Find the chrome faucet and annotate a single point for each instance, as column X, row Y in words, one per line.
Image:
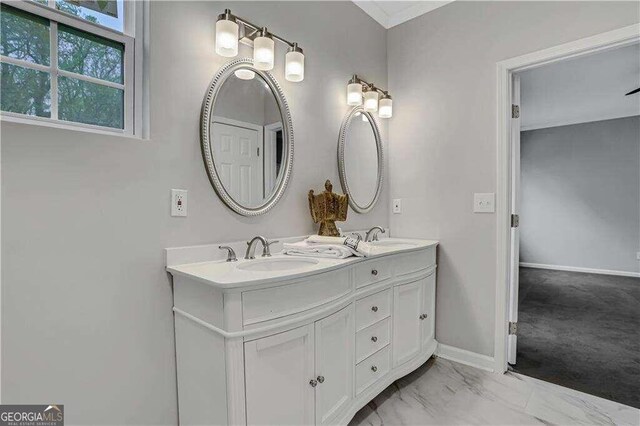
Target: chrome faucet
column 372, row 234
column 251, row 247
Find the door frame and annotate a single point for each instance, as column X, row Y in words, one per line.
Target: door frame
column 505, row 70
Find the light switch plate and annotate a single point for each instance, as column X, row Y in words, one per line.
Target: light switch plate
column 397, row 206
column 484, row 202
column 179, row 202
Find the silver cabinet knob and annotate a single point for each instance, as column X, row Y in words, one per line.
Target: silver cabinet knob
column 374, row 272
column 313, row 383
column 320, row 379
column 374, row 368
column 374, row 339
column 374, row 308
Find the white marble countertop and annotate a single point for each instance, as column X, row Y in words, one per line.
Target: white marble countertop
column 229, row 275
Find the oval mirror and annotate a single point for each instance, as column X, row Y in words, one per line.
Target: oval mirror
column 360, row 159
column 247, row 138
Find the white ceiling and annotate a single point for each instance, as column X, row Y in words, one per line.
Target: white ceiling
column 590, row 88
column 392, row 13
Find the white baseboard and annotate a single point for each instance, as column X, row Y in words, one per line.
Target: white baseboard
column 578, row 269
column 463, row 356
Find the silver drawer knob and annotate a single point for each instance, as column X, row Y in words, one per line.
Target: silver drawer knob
column 374, row 308
column 374, row 339
column 374, row 368
column 320, row 379
column 313, row 383
column 374, row 272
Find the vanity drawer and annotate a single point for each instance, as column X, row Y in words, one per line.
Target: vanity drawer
column 372, row 339
column 371, row 272
column 372, row 369
column 413, row 262
column 373, row 308
column 275, row 302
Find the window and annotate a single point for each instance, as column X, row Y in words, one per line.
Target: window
column 71, row 62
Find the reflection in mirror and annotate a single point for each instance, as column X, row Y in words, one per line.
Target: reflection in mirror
column 247, row 138
column 360, row 159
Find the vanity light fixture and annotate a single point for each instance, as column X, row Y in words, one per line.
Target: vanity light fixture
column 231, row 28
column 294, row 64
column 385, row 106
column 374, row 98
column 370, row 99
column 354, row 92
column 263, row 51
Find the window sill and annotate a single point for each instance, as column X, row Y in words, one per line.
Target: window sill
column 76, row 128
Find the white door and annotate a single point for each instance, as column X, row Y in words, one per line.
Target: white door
column 428, row 315
column 334, row 364
column 514, row 270
column 278, row 371
column 407, row 326
column 239, row 162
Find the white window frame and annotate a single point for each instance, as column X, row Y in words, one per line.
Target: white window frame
column 131, row 38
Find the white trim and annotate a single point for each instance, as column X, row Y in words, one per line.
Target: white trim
column 572, row 122
column 237, row 123
column 53, row 14
column 133, row 86
column 371, row 8
column 505, row 69
column 465, row 357
column 579, row 269
column 90, row 79
column 25, row 64
column 21, row 120
column 14, row 117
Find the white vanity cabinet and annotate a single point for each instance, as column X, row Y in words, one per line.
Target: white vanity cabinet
column 413, row 313
column 301, row 376
column 311, row 348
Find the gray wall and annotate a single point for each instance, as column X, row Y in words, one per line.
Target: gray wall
column 580, row 203
column 86, row 315
column 442, row 75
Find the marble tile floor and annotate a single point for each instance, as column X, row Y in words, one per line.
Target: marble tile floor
column 443, row 392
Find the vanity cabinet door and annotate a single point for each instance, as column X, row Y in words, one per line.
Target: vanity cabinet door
column 334, row 364
column 428, row 309
column 407, row 325
column 278, row 374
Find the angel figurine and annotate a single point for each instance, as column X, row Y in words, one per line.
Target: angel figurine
column 328, row 207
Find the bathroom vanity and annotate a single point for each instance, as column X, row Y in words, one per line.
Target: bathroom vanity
column 300, row 340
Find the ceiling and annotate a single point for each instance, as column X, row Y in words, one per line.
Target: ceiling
column 589, row 88
column 392, row 13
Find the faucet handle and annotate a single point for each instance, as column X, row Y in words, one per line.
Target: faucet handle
column 231, row 254
column 266, row 250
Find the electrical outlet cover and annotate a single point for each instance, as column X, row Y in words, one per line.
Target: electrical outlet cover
column 178, row 202
column 397, row 205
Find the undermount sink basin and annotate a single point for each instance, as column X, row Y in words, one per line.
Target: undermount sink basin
column 392, row 243
column 277, row 264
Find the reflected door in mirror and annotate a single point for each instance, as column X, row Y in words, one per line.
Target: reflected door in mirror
column 239, row 163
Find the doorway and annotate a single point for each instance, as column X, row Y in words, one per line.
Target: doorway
column 508, row 327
